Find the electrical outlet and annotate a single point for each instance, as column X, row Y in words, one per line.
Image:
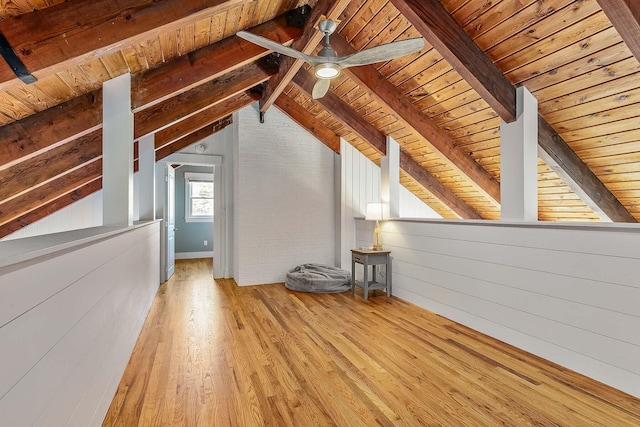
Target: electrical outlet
column 206, row 243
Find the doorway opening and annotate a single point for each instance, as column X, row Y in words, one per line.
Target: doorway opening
column 192, row 212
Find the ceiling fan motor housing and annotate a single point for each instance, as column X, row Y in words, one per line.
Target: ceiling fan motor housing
column 327, row 52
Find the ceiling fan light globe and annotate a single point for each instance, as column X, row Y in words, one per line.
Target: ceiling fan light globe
column 326, row 71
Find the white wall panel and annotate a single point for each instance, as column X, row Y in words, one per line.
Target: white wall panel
column 20, row 292
column 567, row 293
column 69, row 323
column 361, row 185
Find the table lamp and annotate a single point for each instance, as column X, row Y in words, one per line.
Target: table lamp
column 375, row 211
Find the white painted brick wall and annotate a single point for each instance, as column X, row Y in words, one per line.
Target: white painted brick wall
column 284, row 198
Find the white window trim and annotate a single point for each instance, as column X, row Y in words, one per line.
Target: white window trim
column 194, row 176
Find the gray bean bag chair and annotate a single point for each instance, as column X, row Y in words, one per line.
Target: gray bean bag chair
column 318, row 278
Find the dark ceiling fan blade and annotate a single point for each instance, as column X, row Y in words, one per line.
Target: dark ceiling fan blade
column 276, row 47
column 321, row 88
column 382, row 53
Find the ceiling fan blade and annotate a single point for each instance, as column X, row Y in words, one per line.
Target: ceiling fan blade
column 271, row 45
column 321, row 88
column 382, row 53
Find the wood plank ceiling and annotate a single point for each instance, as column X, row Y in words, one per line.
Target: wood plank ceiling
column 442, row 104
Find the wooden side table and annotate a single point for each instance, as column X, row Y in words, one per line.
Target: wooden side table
column 370, row 258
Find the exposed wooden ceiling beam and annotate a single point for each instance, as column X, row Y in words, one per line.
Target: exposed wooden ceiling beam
column 80, row 116
column 343, row 112
column 51, row 39
column 306, row 44
column 26, row 183
column 625, row 17
column 202, row 119
column 577, row 175
column 308, row 122
column 39, row 169
column 435, row 24
column 415, row 170
column 37, row 202
column 189, row 103
column 386, row 94
column 50, row 191
column 50, row 128
column 207, row 63
column 184, row 142
column 365, row 130
column 51, row 207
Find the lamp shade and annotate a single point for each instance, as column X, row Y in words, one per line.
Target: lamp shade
column 375, row 211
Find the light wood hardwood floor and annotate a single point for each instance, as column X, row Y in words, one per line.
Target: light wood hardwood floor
column 215, row 354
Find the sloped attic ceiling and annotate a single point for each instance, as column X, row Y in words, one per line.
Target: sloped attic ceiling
column 442, row 104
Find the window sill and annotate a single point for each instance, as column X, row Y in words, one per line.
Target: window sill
column 205, row 219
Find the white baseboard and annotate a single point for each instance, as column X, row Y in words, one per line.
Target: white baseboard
column 191, row 255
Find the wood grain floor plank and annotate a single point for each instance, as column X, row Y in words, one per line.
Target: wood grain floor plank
column 215, row 354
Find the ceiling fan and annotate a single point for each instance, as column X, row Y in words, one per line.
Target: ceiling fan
column 327, row 64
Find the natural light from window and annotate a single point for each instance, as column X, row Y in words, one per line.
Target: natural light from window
column 199, row 197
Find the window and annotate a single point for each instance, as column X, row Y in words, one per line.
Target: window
column 198, row 192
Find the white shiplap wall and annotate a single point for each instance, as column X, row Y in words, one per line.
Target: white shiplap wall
column 569, row 294
column 361, row 185
column 68, row 324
